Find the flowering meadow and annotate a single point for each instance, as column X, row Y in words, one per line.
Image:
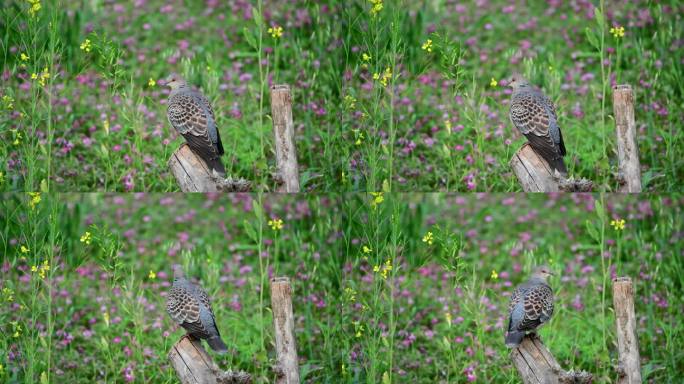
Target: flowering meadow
column 389, row 95
column 387, row 288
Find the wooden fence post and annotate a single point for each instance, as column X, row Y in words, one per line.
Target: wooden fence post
column 535, row 174
column 629, row 171
column 193, row 175
column 283, row 128
column 287, row 369
column 194, row 366
column 537, row 365
column 629, row 369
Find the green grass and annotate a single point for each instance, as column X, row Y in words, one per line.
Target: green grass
column 387, row 288
column 436, row 124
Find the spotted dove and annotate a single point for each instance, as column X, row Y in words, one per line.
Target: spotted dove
column 189, row 306
column 190, row 113
column 535, row 117
column 531, row 306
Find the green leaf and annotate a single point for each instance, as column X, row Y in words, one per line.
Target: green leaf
column 249, row 229
column 385, row 378
column 599, row 210
column 43, row 378
column 591, row 37
column 249, row 37
column 599, row 17
column 591, row 230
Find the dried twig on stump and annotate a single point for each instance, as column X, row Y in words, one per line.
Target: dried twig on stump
column 537, row 365
column 283, row 128
column 629, row 370
column 629, row 172
column 535, row 174
column 194, row 366
column 287, row 368
column 193, row 175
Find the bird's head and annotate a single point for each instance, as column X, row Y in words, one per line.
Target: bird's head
column 518, row 81
column 542, row 272
column 175, row 81
column 177, row 272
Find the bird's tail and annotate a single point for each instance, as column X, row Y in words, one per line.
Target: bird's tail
column 559, row 165
column 217, row 165
column 514, row 338
column 217, row 344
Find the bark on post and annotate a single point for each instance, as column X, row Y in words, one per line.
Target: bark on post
column 535, row 174
column 629, row 369
column 194, row 366
column 629, row 171
column 287, row 368
column 283, row 128
column 193, row 175
column 537, row 365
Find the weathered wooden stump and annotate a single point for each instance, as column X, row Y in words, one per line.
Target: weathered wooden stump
column 629, row 169
column 535, row 174
column 193, row 174
column 537, row 365
column 629, row 369
column 283, row 128
column 287, row 366
column 194, row 366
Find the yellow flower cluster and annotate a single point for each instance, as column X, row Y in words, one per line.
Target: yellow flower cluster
column 376, row 7
column 350, row 102
column 378, row 198
column 34, row 6
column 276, row 32
column 384, row 270
column 86, row 46
column 385, row 77
column 152, row 275
column 35, row 199
column 350, row 294
column 8, row 102
column 493, row 83
column 86, row 238
column 618, row 32
column 151, row 83
column 275, row 224
column 429, row 238
column 42, row 77
column 618, row 224
column 358, row 329
column 358, row 135
column 7, row 295
column 427, row 46
column 16, row 328
column 24, row 57
column 41, row 269
column 366, row 249
column 494, row 275
column 17, row 137
column 24, row 249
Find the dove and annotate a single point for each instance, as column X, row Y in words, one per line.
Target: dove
column 191, row 114
column 535, row 117
column 531, row 306
column 189, row 306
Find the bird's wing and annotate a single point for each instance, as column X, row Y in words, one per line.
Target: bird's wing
column 538, row 305
column 214, row 134
column 554, row 127
column 181, row 306
column 191, row 119
column 530, row 116
column 204, row 299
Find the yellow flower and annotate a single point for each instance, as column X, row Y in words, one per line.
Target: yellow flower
column 8, row 294
column 350, row 102
column 151, row 83
column 385, row 77
column 350, row 294
column 429, row 238
column 376, row 268
column 386, row 268
column 105, row 316
column 152, row 275
column 359, row 138
column 43, row 269
column 8, row 101
column 367, row 249
column 618, row 32
column 275, row 224
column 34, row 268
column 366, row 57
column 105, row 125
column 427, row 46
column 35, row 7
column 493, row 83
column 24, row 57
column 86, row 238
column 35, row 199
column 376, row 7
column 34, row 76
column 24, row 249
column 618, row 224
column 16, row 327
column 276, row 32
column 86, row 46
column 494, row 275
column 378, row 198
column 448, row 318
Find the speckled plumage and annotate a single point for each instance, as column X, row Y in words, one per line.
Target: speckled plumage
column 189, row 306
column 535, row 117
column 190, row 113
column 531, row 306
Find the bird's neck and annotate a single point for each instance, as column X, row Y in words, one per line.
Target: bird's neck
column 181, row 88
